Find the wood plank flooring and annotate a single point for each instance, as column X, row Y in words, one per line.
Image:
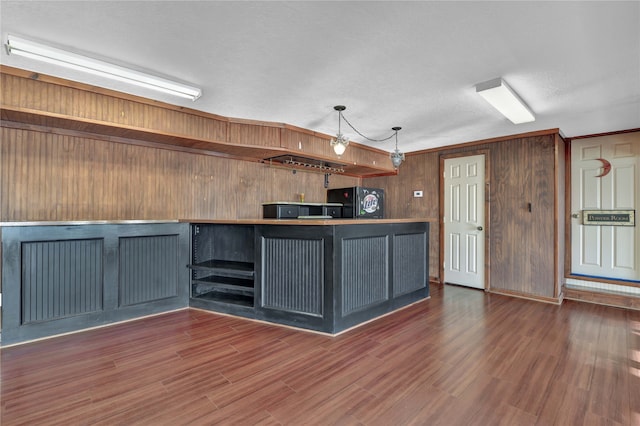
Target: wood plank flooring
column 461, row 358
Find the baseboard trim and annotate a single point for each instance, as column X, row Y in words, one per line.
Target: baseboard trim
column 533, row 297
column 600, row 297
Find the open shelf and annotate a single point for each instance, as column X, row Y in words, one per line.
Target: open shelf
column 229, row 284
column 222, row 266
column 226, row 268
column 228, row 298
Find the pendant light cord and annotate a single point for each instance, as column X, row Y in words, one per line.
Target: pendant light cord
column 367, row 138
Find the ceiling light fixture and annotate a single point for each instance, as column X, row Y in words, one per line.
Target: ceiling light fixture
column 52, row 55
column 340, row 142
column 397, row 157
column 505, row 100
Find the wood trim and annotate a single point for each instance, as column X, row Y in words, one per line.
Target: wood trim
column 487, row 211
column 559, row 144
column 485, row 141
column 602, row 298
column 567, row 219
column 533, row 297
column 596, row 135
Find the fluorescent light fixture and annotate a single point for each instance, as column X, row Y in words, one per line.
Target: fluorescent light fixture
column 505, row 100
column 52, row 55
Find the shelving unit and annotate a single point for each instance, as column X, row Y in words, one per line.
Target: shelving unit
column 222, row 268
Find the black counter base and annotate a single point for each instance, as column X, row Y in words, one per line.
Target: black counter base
column 323, row 278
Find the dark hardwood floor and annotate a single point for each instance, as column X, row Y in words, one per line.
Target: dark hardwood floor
column 461, row 358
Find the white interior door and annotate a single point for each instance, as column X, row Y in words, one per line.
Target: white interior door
column 604, row 176
column 464, row 221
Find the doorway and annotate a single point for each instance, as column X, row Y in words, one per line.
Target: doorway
column 605, row 177
column 464, row 221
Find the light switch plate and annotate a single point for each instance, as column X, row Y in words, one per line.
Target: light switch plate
column 417, row 194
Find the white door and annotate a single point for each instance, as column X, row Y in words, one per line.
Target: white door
column 464, row 221
column 605, row 176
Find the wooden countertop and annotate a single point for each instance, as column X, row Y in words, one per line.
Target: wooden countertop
column 304, row 222
column 299, row 222
column 84, row 222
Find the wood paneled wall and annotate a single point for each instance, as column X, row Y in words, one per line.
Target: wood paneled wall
column 523, row 246
column 40, row 94
column 29, row 98
column 48, row 176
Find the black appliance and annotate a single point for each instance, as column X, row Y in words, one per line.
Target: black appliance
column 359, row 202
column 293, row 210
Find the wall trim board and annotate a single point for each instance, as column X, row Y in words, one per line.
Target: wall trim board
column 487, row 141
column 560, row 209
column 532, row 297
column 595, row 135
column 602, row 298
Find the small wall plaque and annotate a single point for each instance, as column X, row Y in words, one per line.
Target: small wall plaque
column 609, row 217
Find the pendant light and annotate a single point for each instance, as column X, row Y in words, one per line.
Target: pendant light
column 397, row 157
column 340, row 142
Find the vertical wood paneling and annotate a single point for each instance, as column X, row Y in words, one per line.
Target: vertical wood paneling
column 540, row 241
column 39, row 95
column 523, row 257
column 365, row 278
column 293, row 275
column 46, row 176
column 148, row 269
column 61, row 279
column 251, row 134
column 306, row 143
column 409, row 271
column 510, row 219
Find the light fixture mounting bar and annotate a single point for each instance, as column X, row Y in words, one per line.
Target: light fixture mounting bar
column 41, row 52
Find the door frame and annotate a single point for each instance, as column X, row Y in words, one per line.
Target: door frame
column 567, row 211
column 487, row 210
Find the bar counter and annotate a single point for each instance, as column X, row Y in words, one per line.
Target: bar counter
column 325, row 275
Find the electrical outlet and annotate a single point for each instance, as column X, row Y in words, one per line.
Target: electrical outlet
column 417, row 194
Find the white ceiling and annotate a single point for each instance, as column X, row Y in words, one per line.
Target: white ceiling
column 410, row 64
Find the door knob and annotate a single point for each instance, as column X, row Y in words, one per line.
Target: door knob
column 479, row 228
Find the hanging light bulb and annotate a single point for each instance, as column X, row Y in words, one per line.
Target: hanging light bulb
column 340, row 142
column 397, row 157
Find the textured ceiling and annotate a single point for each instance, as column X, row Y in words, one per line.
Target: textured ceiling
column 410, row 64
